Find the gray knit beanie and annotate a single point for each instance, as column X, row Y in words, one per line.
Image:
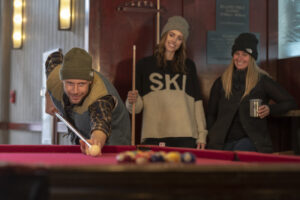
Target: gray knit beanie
column 77, row 64
column 177, row 23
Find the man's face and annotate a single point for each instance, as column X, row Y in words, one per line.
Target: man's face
column 76, row 89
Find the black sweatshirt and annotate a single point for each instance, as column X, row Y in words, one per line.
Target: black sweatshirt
column 171, row 102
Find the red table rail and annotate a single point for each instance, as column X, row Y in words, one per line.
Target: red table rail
column 63, row 172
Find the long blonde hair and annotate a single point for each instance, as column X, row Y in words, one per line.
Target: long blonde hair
column 178, row 62
column 252, row 77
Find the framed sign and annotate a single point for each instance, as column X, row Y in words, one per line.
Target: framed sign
column 219, row 46
column 232, row 15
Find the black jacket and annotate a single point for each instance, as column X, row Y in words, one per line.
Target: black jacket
column 221, row 112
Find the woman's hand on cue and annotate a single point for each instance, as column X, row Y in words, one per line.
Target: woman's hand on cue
column 132, row 96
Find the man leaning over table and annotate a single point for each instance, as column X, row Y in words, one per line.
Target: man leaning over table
column 86, row 99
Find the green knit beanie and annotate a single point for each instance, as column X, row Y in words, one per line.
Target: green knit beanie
column 177, row 23
column 77, row 64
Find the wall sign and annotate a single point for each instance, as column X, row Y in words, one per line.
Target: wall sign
column 232, row 15
column 232, row 18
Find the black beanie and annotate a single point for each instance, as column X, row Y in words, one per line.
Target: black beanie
column 246, row 42
column 77, row 64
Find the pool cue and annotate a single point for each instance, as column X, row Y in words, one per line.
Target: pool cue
column 133, row 105
column 73, row 129
column 157, row 22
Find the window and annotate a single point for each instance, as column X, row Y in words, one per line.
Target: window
column 288, row 28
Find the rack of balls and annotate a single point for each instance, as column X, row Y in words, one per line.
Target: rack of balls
column 141, row 157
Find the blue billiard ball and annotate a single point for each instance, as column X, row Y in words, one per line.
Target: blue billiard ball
column 188, row 157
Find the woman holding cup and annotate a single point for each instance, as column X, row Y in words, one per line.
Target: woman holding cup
column 233, row 123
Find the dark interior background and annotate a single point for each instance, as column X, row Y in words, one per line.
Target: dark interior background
column 113, row 34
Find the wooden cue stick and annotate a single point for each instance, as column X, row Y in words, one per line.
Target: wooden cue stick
column 157, row 22
column 133, row 105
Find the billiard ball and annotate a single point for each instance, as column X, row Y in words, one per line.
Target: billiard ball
column 141, row 160
column 188, row 157
column 121, row 157
column 157, row 157
column 130, row 156
column 173, row 157
column 94, row 150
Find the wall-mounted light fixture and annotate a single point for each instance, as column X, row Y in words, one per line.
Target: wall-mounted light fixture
column 18, row 18
column 64, row 14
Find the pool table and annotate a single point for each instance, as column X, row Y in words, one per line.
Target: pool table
column 62, row 172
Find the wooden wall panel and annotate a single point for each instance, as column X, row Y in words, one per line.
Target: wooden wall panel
column 202, row 18
column 272, row 38
column 258, row 13
column 129, row 29
column 288, row 75
column 284, row 130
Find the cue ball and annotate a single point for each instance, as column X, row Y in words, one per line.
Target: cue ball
column 94, row 150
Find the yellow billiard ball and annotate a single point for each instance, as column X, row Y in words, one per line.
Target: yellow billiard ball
column 173, row 157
